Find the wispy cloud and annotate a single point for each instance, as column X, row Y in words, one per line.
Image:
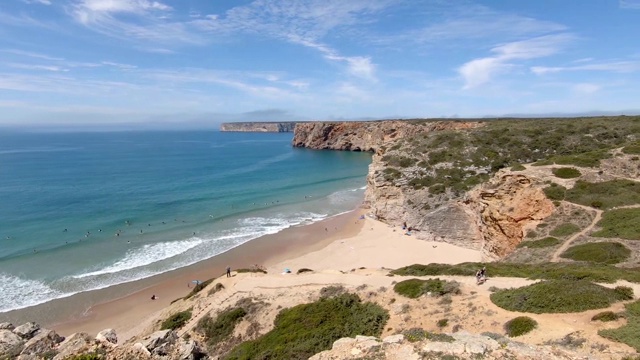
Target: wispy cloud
column 586, row 88
column 630, row 4
column 42, row 2
column 615, row 66
column 36, row 67
column 113, row 18
column 479, row 71
column 31, row 54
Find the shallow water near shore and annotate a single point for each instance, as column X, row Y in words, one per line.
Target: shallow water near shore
column 84, row 211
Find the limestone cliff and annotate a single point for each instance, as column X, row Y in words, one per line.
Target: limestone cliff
column 365, row 135
column 258, row 127
column 450, row 180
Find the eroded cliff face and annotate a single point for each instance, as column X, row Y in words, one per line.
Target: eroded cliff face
column 365, row 135
column 490, row 217
column 504, row 207
column 258, row 127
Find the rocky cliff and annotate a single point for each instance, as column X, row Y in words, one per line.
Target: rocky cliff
column 367, row 135
column 258, row 126
column 461, row 181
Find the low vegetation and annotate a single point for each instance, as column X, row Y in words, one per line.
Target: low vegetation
column 304, row 330
column 558, row 296
column 632, row 149
column 418, row 334
column 605, row 195
column 87, row 356
column 215, row 331
column 627, row 334
column 620, row 223
column 254, row 269
column 414, row 288
column 215, row 289
column 199, row 286
column 566, row 173
column 538, row 244
column 600, row 252
column 303, row 270
column 565, row 229
column 519, row 326
column 176, row 320
column 605, row 316
column 560, row 271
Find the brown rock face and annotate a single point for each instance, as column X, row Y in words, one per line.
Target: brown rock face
column 504, row 206
column 365, row 135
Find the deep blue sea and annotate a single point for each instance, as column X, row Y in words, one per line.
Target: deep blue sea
column 82, row 211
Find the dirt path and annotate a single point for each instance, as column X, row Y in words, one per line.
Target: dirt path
column 568, row 242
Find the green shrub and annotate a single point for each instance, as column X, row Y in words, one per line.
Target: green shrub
column 442, row 323
column 542, row 243
column 600, row 252
column 439, row 337
column 566, row 173
column 304, row 330
column 605, row 316
column 608, row 193
column 627, row 334
column 556, row 270
column 331, row 291
column 557, row 296
column 631, row 149
column 620, row 223
column 415, row 334
column 87, row 356
column 303, row 270
column 215, row 331
column 625, row 292
column 519, row 326
column 199, row 286
column 564, row 230
column 414, row 288
column 518, row 167
column 215, row 289
column 555, row 192
column 176, row 320
column 254, row 269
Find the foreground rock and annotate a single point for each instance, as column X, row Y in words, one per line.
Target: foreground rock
column 462, row 346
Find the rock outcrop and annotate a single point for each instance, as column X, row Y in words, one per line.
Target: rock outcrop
column 258, row 127
column 462, row 345
column 366, row 136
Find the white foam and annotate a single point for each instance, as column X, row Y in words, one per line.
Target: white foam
column 146, row 255
column 37, row 150
column 18, row 293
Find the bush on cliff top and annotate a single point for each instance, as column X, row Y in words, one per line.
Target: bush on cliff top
column 557, row 296
column 564, row 270
column 414, row 288
column 538, row 244
column 304, row 330
column 520, row 326
column 607, row 194
column 600, row 252
column 627, row 334
column 176, row 320
column 565, row 229
column 566, row 173
column 620, row 223
column 215, row 331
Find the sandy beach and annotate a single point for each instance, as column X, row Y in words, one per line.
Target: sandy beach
column 340, row 243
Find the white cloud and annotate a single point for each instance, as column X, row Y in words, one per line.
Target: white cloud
column 86, row 7
column 630, row 4
column 615, row 66
column 479, row 71
column 43, row 2
column 586, row 88
column 37, row 67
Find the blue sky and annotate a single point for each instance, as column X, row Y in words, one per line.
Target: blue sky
column 89, row 62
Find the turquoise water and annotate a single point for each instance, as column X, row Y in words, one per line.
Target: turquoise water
column 82, row 211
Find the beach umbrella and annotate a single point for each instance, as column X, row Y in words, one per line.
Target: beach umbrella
column 197, row 282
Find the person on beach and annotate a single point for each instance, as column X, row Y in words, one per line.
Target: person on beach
column 228, row 271
column 153, row 297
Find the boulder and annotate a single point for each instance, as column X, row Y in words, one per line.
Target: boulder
column 44, row 341
column 6, row 326
column 78, row 343
column 108, row 336
column 188, row 350
column 452, row 348
column 10, row 344
column 27, row 331
column 159, row 338
column 393, row 339
column 141, row 349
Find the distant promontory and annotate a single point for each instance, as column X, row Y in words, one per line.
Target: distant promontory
column 258, row 126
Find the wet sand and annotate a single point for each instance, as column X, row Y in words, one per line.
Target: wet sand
column 124, row 306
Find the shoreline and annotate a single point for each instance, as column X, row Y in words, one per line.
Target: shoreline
column 123, row 306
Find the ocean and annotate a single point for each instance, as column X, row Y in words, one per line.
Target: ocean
column 84, row 211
